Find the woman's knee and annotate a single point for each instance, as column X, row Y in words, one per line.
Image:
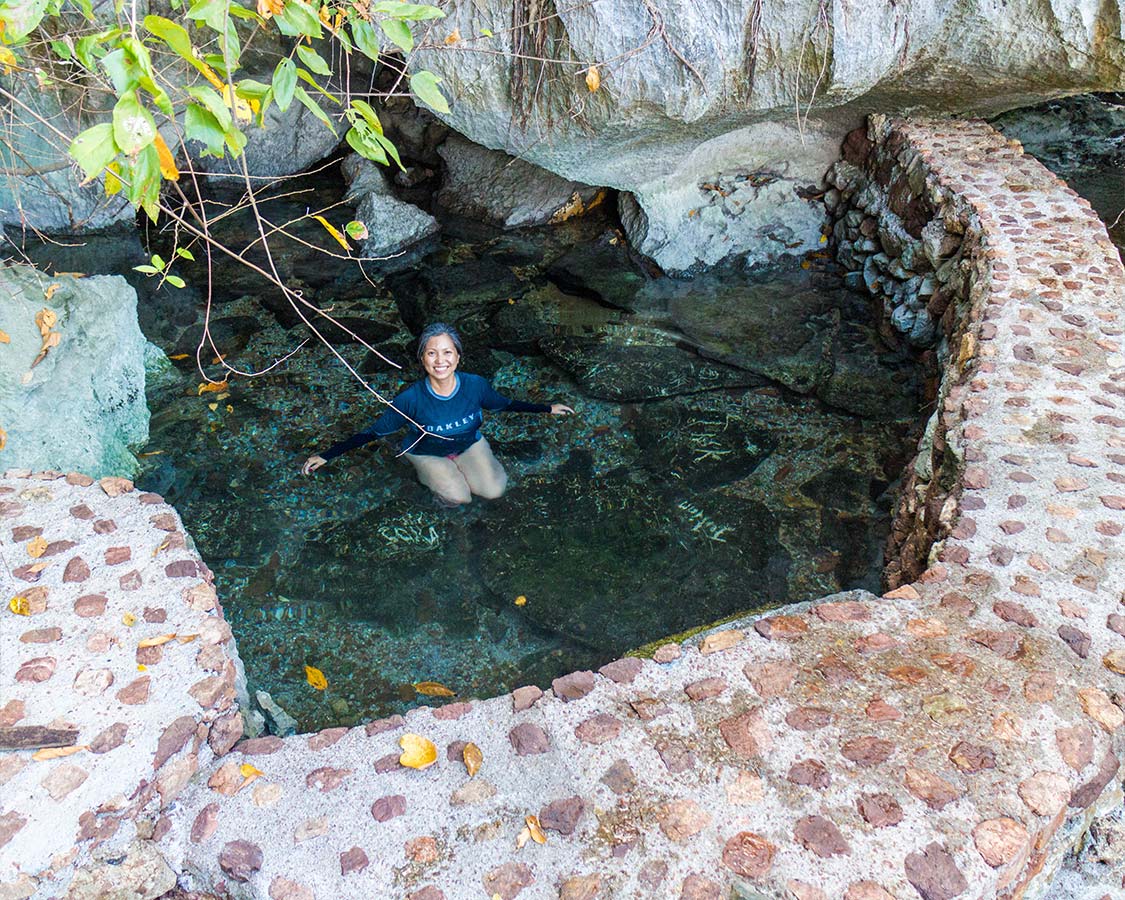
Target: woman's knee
column 453, row 495
column 493, row 488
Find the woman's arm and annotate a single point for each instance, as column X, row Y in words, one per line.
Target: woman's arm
column 497, row 402
column 388, row 423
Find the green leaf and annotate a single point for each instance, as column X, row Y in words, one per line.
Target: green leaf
column 200, row 125
column 359, row 139
column 414, row 12
column 486, row 32
column 144, row 181
column 368, row 113
column 121, row 70
column 364, row 36
column 175, row 36
column 94, row 149
column 309, row 80
column 284, row 83
column 211, row 99
column 312, row 106
column 158, row 261
column 424, row 86
column 356, row 230
column 86, row 8
column 240, row 12
column 175, row 280
column 133, row 127
column 21, row 17
column 236, row 140
column 399, row 33
column 313, row 60
column 147, row 270
column 383, row 141
column 250, row 89
column 300, row 18
column 342, row 37
column 184, row 253
column 62, row 50
column 213, row 12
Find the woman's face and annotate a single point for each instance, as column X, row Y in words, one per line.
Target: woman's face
column 440, row 357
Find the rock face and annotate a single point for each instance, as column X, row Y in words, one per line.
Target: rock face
column 500, row 189
column 83, row 406
column 715, row 115
column 398, row 231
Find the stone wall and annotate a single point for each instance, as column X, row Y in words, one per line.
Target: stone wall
column 951, row 739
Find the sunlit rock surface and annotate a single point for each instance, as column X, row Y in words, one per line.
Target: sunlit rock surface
column 82, row 406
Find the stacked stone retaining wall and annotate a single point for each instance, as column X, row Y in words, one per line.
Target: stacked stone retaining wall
column 952, row 738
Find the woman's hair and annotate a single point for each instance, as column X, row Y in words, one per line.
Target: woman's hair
column 435, row 329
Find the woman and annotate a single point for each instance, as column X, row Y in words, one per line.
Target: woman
column 449, row 454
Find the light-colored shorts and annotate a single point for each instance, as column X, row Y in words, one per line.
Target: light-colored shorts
column 454, row 481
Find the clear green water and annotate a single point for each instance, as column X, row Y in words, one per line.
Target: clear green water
column 736, row 444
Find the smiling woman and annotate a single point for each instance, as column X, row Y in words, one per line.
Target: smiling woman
column 442, row 414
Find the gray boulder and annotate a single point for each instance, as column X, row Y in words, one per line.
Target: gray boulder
column 399, row 233
column 699, row 92
column 486, row 184
column 82, row 408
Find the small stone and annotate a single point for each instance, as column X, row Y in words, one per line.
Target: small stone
column 653, row 873
column 11, row 712
column 476, row 790
column 92, row 682
column 676, row 756
column 507, row 880
column 326, row 738
column 381, row 726
column 387, row 763
column 580, row 887
column 227, row 779
column 972, row 757
column 1045, row 793
column 422, row 850
column 771, row 679
column 173, row 739
column 867, row 751
column 90, row 605
column 666, row 653
column 1076, row 746
column 105, row 526
column 115, row 486
column 10, row 766
column 619, row 778
column 705, row 688
column 114, row 556
column 261, row 746
column 226, row 731
column 844, row 611
column 1000, row 840
column 386, row 808
column 451, row 711
column 1010, row 611
column 879, row 810
column 747, row 734
column 598, row 729
column 820, row 836
column 782, row 628
column 573, row 686
column 10, row 823
column 64, row 779
column 562, row 815
column 76, row 570
column 1097, row 705
column 429, row 892
column 934, row 874
column 622, row 671
column 354, row 860
column 109, row 738
column 266, row 795
column 130, row 581
column 1085, row 794
column 696, row 887
column 879, row 710
column 945, row 708
column 933, row 790
column 183, row 568
column 326, row 778
column 528, row 739
column 36, row 671
column 875, row 643
column 808, row 718
column 1039, row 687
column 205, row 823
column 82, row 511
column 748, row 854
column 810, row 773
column 284, row 889
column 867, row 890
column 524, row 697
column 720, row 640
column 681, row 819
column 1114, row 661
column 41, row 636
column 1076, row 639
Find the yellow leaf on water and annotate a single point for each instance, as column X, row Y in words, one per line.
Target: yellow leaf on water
column 36, row 547
column 56, row 752
column 250, row 772
column 178, row 356
column 332, row 230
column 211, row 387
column 212, row 406
column 129, row 619
column 521, row 600
column 20, row 606
column 156, row 641
column 473, row 759
column 167, row 161
column 593, row 79
column 417, row 751
column 316, row 678
column 433, row 689
column 4, row 338
column 536, row 829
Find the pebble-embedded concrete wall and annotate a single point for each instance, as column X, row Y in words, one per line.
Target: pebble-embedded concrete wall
column 951, row 739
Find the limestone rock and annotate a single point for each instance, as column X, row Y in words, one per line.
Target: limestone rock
column 83, row 406
column 141, row 875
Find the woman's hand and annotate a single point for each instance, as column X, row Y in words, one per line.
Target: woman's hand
column 312, row 464
column 561, row 409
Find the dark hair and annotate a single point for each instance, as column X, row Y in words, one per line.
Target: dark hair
column 435, row 329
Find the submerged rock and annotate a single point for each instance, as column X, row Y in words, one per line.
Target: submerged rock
column 506, row 191
column 603, row 270
column 82, row 406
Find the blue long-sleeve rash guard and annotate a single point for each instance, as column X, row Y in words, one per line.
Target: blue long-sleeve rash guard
column 457, row 417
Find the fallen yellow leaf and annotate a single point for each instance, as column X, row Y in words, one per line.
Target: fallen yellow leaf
column 45, row 319
column 536, row 829
column 593, row 79
column 129, row 619
column 316, row 678
column 186, row 638
column 156, row 641
column 417, row 751
column 331, row 229
column 433, row 689
column 167, row 161
column 522, row 838
column 141, row 667
column 20, row 606
column 38, row 567
column 56, row 752
column 454, row 36
column 4, row 338
column 3, row 438
column 249, row 772
column 521, row 600
column 267, row 9
column 7, row 60
column 36, row 547
column 472, row 758
column 179, row 356
column 212, row 406
column 50, row 292
column 211, row 387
